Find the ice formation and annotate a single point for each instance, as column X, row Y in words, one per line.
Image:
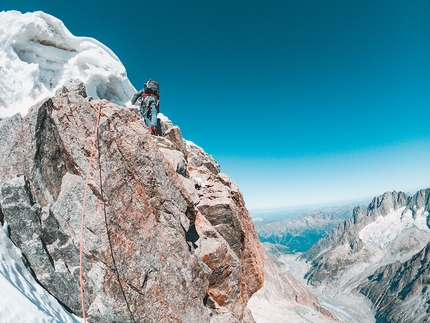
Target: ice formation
column 38, row 54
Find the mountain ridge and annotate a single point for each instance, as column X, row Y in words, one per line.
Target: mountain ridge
column 401, row 286
column 381, row 252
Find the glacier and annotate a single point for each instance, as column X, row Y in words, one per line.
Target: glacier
column 387, row 228
column 38, row 54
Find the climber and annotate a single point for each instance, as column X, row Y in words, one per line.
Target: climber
column 148, row 102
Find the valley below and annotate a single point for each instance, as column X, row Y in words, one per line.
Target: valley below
column 371, row 267
column 346, row 305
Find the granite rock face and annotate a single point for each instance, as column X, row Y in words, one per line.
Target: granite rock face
column 167, row 237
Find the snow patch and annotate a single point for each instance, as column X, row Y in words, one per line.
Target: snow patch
column 38, row 54
column 162, row 117
column 257, row 219
column 191, row 144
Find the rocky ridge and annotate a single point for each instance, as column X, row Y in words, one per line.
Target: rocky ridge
column 400, row 291
column 167, row 236
column 346, row 246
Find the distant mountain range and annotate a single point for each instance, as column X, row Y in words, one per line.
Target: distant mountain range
column 300, row 233
column 371, row 265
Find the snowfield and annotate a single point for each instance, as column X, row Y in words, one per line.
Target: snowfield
column 38, row 54
column 348, row 307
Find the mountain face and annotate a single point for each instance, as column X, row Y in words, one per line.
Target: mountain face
column 167, row 237
column 300, row 233
column 399, row 291
column 393, row 227
column 22, row 298
column 382, row 252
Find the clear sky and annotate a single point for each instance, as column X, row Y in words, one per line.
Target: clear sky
column 300, row 101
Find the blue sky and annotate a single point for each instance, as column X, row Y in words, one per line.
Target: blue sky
column 301, row 101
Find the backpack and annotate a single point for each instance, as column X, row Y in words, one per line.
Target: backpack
column 152, row 87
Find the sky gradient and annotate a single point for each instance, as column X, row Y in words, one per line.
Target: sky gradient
column 301, row 102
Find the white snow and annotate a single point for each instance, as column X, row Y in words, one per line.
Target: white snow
column 162, row 117
column 387, row 228
column 38, row 54
column 22, row 299
column 189, row 143
column 258, row 219
column 282, row 311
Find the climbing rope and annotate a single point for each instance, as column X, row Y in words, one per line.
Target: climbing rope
column 96, row 139
column 108, row 235
column 81, row 281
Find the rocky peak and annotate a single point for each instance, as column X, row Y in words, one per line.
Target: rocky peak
column 386, row 202
column 421, row 200
column 167, row 236
column 344, row 246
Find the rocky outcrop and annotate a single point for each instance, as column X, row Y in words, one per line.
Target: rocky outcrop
column 167, row 237
column 400, row 291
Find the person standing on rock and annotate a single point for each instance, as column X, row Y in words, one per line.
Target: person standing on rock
column 148, row 100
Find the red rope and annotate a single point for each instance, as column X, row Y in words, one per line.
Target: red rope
column 83, row 213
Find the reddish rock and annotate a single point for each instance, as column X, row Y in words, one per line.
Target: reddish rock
column 167, row 236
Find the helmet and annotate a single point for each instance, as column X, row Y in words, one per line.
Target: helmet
column 152, row 87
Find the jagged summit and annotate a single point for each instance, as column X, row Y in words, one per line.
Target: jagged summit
column 38, row 54
column 393, row 227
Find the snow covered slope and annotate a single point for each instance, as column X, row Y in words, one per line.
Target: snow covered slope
column 393, row 227
column 23, row 299
column 38, row 54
